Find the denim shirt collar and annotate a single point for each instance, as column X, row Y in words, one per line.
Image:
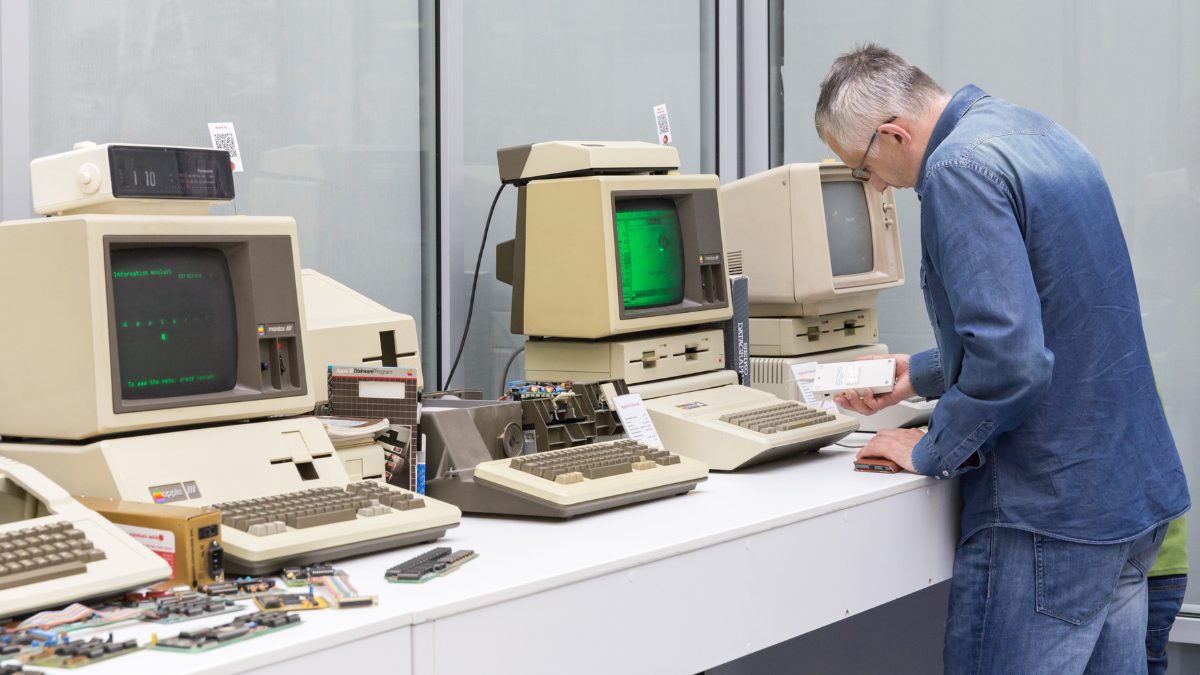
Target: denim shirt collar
column 958, row 106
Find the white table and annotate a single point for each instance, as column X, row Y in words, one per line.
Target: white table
column 745, row 561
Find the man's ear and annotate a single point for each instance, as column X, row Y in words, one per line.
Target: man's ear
column 895, row 132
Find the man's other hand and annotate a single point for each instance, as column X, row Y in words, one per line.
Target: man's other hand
column 865, row 402
column 893, row 444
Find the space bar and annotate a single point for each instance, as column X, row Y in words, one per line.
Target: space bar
column 325, row 518
column 42, row 574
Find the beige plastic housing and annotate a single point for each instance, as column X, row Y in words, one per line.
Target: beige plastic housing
column 57, row 370
column 550, row 159
column 775, row 220
column 791, row 336
column 344, row 329
column 80, row 180
column 774, row 374
column 687, row 415
column 634, row 360
column 563, row 261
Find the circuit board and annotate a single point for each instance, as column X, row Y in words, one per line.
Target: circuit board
column 290, row 602
column 432, row 564
column 242, row 628
column 79, row 653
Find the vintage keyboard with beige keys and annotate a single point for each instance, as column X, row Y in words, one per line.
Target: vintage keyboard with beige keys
column 54, row 550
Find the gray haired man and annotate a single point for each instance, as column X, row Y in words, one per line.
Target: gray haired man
column 1067, row 487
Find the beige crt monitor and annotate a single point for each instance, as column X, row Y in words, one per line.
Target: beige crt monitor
column 600, row 253
column 818, row 247
column 118, row 323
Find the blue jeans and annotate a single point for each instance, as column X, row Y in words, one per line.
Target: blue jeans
column 1025, row 603
column 1166, row 596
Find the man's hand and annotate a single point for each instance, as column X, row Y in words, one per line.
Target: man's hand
column 893, row 444
column 866, row 402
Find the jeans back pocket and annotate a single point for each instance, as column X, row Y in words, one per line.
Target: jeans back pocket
column 1075, row 581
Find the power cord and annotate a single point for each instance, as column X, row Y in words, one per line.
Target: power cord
column 507, row 367
column 474, row 283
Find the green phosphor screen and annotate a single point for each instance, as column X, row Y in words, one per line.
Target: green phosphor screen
column 650, row 253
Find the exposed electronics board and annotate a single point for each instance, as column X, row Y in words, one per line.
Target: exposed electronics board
column 298, row 577
column 79, row 653
column 435, row 563
column 185, row 607
column 244, row 587
column 296, row 602
column 240, row 629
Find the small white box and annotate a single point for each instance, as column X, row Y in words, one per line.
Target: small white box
column 878, row 375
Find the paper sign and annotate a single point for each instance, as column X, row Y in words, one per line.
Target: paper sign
column 636, row 419
column 224, row 138
column 161, row 542
column 663, row 123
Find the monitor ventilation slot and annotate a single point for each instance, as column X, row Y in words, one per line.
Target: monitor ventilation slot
column 735, row 262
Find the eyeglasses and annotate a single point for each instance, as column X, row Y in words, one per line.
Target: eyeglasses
column 860, row 173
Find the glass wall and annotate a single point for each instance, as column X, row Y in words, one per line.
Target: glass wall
column 538, row 70
column 324, row 95
column 1123, row 77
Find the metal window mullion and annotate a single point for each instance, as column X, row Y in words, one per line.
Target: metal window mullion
column 15, row 130
column 451, row 184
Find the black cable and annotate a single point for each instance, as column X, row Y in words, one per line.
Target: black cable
column 507, row 366
column 474, row 282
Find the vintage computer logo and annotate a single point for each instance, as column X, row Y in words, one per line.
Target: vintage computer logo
column 174, row 492
column 277, row 329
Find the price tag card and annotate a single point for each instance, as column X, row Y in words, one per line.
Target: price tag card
column 636, row 419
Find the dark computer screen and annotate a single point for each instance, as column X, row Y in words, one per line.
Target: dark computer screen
column 176, row 329
column 848, row 227
column 649, row 252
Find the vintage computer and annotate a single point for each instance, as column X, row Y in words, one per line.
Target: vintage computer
column 157, row 355
column 818, row 247
column 618, row 271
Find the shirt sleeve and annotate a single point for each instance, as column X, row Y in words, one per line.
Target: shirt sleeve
column 979, row 255
column 925, row 374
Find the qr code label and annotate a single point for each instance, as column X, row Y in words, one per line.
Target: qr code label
column 224, row 138
column 663, row 123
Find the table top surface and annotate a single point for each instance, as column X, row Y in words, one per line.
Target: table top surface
column 521, row 556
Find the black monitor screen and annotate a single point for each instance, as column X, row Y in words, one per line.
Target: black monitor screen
column 176, row 330
column 848, row 226
column 650, row 253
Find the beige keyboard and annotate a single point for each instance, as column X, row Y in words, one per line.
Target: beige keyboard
column 54, row 551
column 268, row 533
column 592, row 473
column 731, row 426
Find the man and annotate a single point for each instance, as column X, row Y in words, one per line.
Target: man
column 1047, row 412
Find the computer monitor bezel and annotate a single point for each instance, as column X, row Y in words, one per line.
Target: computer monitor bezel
column 875, row 211
column 776, row 231
column 697, row 205
column 274, row 261
column 557, row 295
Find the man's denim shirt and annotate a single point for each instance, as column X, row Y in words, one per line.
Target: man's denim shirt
column 1048, row 408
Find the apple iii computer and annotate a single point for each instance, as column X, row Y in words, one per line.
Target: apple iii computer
column 818, row 246
column 618, row 271
column 157, row 354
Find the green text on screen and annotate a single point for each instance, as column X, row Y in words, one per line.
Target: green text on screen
column 650, row 250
